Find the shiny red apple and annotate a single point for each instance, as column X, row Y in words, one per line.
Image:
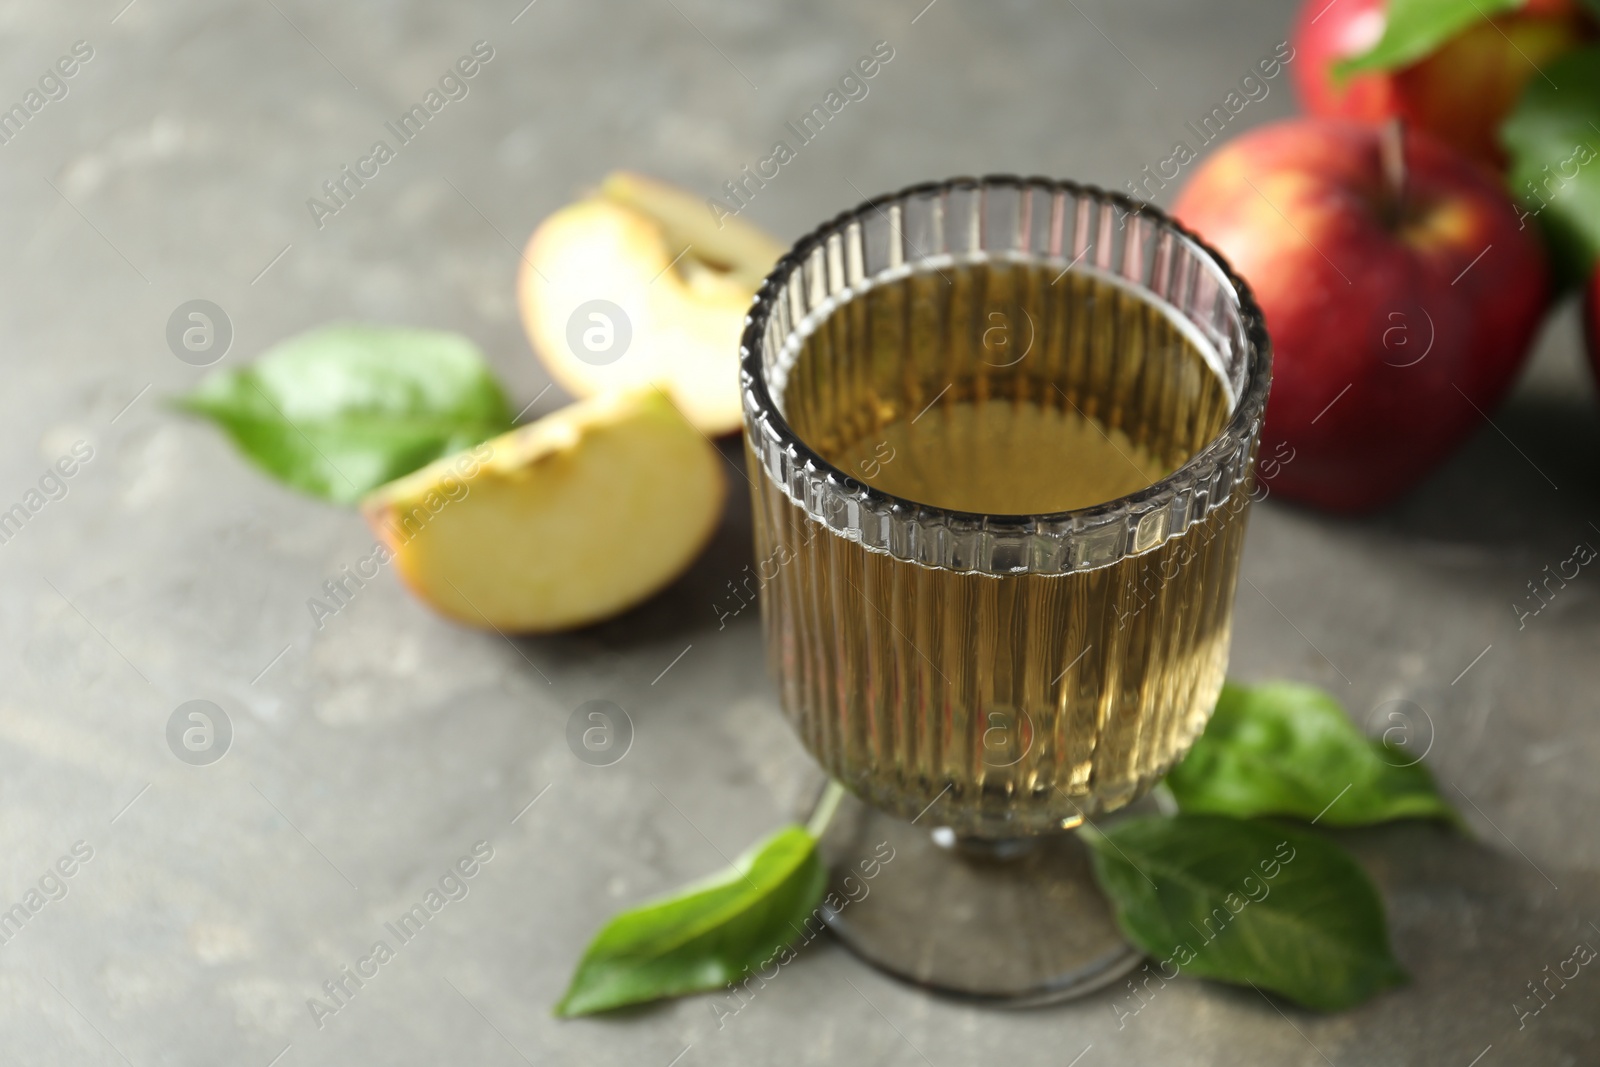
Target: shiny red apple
column 1400, row 293
column 1461, row 93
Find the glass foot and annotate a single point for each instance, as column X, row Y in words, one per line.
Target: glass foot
column 1012, row 923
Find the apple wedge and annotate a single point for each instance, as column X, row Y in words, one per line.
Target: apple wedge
column 639, row 285
column 564, row 522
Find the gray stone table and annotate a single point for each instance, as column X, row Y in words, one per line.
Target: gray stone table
column 371, row 754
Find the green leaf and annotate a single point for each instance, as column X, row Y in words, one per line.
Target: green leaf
column 706, row 934
column 341, row 410
column 1553, row 137
column 1247, row 902
column 1414, row 29
column 1287, row 749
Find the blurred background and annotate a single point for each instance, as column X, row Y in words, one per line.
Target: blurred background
column 366, row 757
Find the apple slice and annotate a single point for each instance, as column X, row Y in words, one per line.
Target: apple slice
column 639, row 284
column 564, row 522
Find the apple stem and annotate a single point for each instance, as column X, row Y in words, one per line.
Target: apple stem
column 1392, row 154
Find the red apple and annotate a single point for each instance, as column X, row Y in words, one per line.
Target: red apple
column 1399, row 291
column 1461, row 93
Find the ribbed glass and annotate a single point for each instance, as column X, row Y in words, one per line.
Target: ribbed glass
column 1002, row 674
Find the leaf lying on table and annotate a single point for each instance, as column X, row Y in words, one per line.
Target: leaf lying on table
column 344, row 409
column 1287, row 749
column 1554, row 139
column 706, row 934
column 1414, row 29
column 1253, row 903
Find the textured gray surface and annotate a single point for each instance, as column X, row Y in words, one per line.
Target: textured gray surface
column 369, row 755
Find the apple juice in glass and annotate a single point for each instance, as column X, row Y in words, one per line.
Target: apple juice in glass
column 1001, row 433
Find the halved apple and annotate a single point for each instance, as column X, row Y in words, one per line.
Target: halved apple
column 564, row 522
column 642, row 284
